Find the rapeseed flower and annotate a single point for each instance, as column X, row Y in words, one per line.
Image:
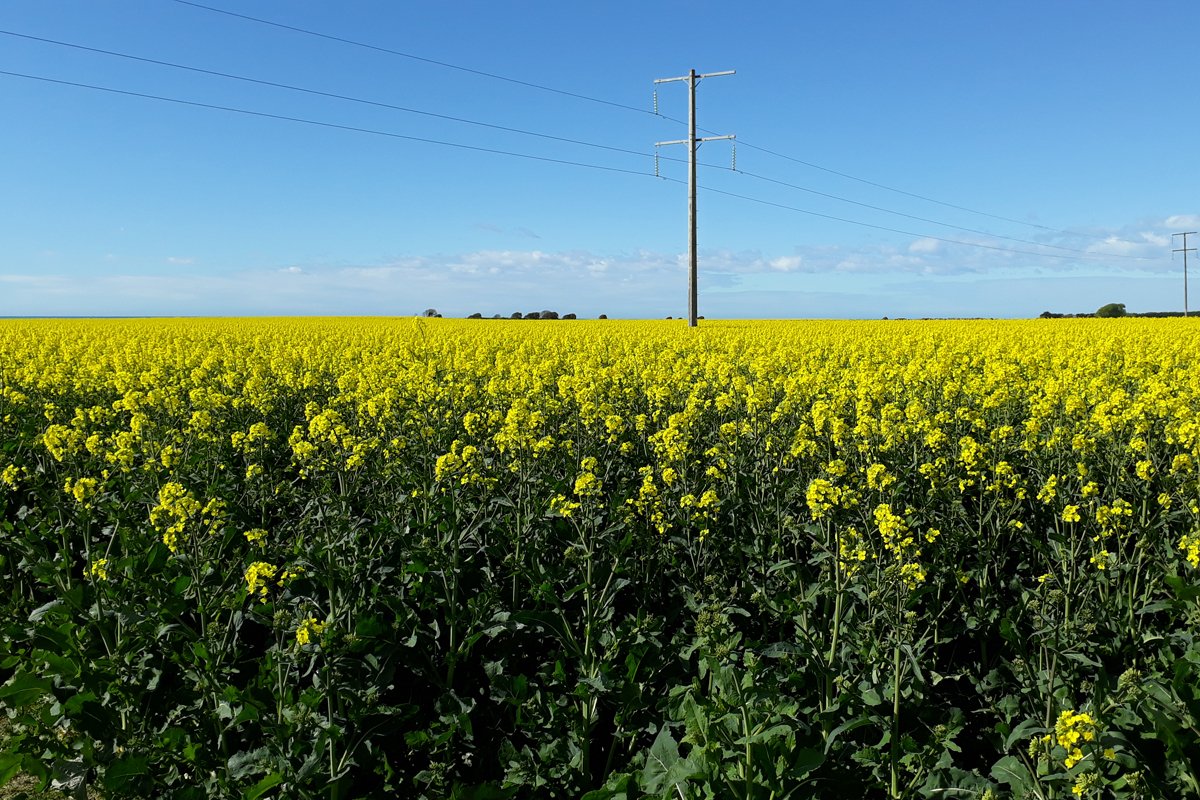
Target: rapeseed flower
column 309, row 631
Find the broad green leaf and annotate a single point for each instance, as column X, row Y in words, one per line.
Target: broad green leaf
column 849, row 725
column 10, row 765
column 24, row 689
column 1023, row 731
column 665, row 769
column 127, row 774
column 262, row 787
column 1010, row 771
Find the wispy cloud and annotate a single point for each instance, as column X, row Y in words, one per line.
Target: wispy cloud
column 638, row 282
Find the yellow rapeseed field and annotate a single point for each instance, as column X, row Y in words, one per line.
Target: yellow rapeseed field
column 841, row 484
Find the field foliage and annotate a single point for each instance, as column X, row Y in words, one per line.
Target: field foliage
column 433, row 558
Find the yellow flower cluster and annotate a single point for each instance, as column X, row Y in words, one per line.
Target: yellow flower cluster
column 1071, row 730
column 839, row 425
column 98, row 569
column 1189, row 543
column 852, row 551
column 178, row 509
column 899, row 540
column 258, row 578
column 309, row 631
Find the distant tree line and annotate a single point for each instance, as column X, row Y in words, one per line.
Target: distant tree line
column 531, row 315
column 1110, row 311
column 433, row 313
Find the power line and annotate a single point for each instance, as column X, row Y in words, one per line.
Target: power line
column 321, row 124
column 924, row 219
column 492, row 126
column 332, row 95
column 589, row 98
column 1097, row 257
column 414, row 57
column 528, row 156
column 902, row 191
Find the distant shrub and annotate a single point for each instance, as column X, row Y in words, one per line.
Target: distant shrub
column 1109, row 310
column 569, row 316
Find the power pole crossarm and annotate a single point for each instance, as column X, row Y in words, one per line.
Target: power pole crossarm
column 692, row 78
column 1185, row 250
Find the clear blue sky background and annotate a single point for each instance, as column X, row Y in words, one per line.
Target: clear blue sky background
column 1073, row 120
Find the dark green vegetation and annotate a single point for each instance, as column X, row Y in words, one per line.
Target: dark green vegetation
column 903, row 582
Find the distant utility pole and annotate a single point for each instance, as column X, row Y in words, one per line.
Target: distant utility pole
column 692, row 78
column 1185, row 250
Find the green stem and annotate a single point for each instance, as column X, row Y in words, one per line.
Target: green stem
column 896, row 675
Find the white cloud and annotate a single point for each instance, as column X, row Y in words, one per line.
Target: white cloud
column 786, row 263
column 1183, row 221
column 638, row 282
column 179, row 261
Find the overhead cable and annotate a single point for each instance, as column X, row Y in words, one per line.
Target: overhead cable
column 528, row 156
column 602, row 101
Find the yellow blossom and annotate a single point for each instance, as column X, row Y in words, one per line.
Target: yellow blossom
column 309, row 631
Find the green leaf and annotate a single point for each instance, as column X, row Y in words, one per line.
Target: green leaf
column 24, row 689
column 694, row 719
column 550, row 623
column 1022, row 731
column 618, row 788
column 1083, row 659
column 805, row 760
column 849, row 725
column 126, row 774
column 665, row 769
column 10, row 765
column 262, row 787
column 54, row 664
column 246, row 763
column 1009, row 770
column 1183, row 590
column 762, row 737
column 41, row 611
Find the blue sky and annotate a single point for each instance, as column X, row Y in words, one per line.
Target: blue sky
column 1070, row 124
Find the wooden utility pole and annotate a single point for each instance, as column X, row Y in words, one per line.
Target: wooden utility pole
column 1185, row 250
column 692, row 78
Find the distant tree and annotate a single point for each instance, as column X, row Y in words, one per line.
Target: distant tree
column 476, row 315
column 603, row 316
column 670, row 317
column 534, row 315
column 549, row 315
column 569, row 316
column 430, row 312
column 1046, row 315
column 516, row 315
column 497, row 316
column 1111, row 310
